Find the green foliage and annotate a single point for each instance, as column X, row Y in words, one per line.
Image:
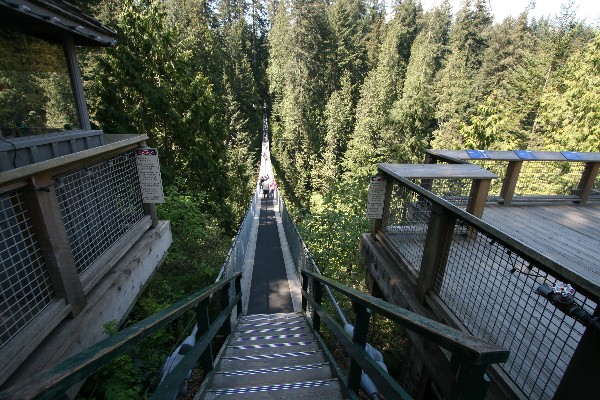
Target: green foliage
column 570, row 114
column 35, row 91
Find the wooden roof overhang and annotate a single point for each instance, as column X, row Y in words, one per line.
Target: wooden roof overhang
column 51, row 19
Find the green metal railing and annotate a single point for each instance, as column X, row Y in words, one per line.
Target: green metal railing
column 470, row 355
column 54, row 383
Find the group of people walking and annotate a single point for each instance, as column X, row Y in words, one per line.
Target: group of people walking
column 268, row 186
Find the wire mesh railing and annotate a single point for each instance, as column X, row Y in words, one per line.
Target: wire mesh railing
column 489, row 284
column 234, row 261
column 25, row 286
column 550, row 175
column 538, row 178
column 99, row 203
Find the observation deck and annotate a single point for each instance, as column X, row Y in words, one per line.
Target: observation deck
column 478, row 268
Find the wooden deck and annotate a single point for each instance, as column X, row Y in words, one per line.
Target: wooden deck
column 566, row 234
column 498, row 304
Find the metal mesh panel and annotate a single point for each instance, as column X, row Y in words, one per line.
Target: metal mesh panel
column 549, row 178
column 98, row 205
column 406, row 223
column 538, row 178
column 454, row 191
column 234, row 261
column 596, row 188
column 497, row 167
column 25, row 287
column 491, row 290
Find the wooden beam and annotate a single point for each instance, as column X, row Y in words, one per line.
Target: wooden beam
column 588, row 178
column 435, row 252
column 54, row 242
column 510, row 181
column 76, row 81
column 478, row 197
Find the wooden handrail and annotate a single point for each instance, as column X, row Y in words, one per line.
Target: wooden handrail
column 470, row 355
column 587, row 288
column 471, row 348
column 19, row 176
column 54, row 382
column 506, row 155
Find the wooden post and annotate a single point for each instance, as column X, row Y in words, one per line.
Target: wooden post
column 150, row 209
column 588, row 178
column 224, row 305
column 76, row 82
column 471, row 381
column 238, row 290
column 202, row 319
column 361, row 329
column 54, row 241
column 478, row 196
column 510, row 181
column 378, row 223
column 305, row 289
column 318, row 295
column 435, row 251
column 583, row 369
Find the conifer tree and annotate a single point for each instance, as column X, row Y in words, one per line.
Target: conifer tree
column 413, row 115
column 570, row 117
column 458, row 86
column 374, row 133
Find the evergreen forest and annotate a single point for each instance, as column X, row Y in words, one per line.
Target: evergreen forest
column 346, row 84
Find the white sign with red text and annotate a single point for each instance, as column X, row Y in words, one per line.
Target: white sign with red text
column 148, row 167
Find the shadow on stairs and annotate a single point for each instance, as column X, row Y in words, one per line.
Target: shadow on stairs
column 272, row 356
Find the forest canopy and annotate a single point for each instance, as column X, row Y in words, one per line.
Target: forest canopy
column 346, row 84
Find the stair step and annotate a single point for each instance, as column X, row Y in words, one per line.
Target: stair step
column 271, row 375
column 272, row 356
column 262, row 324
column 267, row 348
column 247, row 361
column 270, row 317
column 297, row 328
column 275, row 337
column 319, row 389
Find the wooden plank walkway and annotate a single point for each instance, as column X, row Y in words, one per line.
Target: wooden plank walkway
column 567, row 234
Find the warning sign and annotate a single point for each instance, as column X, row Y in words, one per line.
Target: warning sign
column 148, row 167
column 376, row 198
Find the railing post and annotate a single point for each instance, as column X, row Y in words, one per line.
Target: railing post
column 203, row 321
column 238, row 290
column 224, row 305
column 378, row 223
column 305, row 289
column 318, row 295
column 361, row 329
column 435, row 251
column 587, row 181
column 510, row 181
column 54, row 241
column 472, row 382
column 478, row 196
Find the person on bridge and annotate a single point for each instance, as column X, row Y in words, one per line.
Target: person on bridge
column 265, row 188
column 272, row 188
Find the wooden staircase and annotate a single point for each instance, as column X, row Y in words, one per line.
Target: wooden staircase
column 272, row 356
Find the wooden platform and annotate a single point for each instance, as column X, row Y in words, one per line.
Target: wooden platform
column 491, row 293
column 567, row 234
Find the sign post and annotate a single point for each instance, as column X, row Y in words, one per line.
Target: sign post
column 376, row 199
column 148, row 167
